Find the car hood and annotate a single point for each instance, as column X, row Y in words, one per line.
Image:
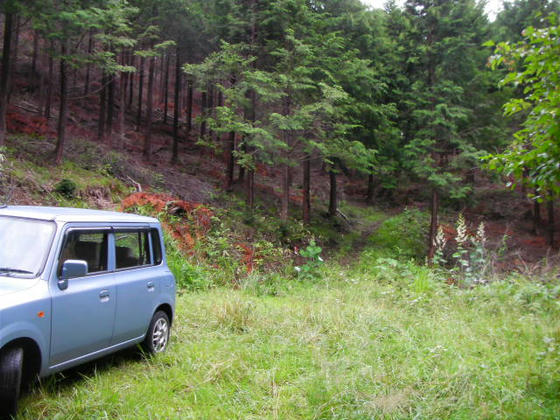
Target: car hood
column 9, row 285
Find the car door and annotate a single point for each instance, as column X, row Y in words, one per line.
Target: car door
column 83, row 313
column 137, row 287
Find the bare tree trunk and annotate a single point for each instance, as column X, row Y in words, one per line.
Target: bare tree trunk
column 537, row 221
column 147, row 152
column 13, row 60
column 122, row 110
column 210, row 109
column 250, row 183
column 140, row 92
column 189, row 106
column 48, row 100
column 550, row 225
column 306, row 205
column 230, row 163
column 102, row 108
column 433, row 226
column 131, row 82
column 34, row 54
column 166, row 88
column 250, row 189
column 63, row 114
column 110, row 107
column 176, row 113
column 203, row 111
column 88, row 65
column 4, row 79
column 284, row 210
column 333, row 194
column 370, row 189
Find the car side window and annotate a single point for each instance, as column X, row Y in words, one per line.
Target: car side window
column 156, row 246
column 132, row 249
column 88, row 246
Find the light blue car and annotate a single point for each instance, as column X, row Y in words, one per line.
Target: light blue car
column 75, row 285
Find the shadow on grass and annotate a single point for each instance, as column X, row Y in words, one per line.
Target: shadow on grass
column 61, row 381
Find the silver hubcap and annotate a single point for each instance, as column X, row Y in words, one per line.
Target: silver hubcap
column 160, row 335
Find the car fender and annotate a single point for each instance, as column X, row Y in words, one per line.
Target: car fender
column 26, row 330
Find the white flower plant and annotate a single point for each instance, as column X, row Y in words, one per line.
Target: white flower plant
column 470, row 258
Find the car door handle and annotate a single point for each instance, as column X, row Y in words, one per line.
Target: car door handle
column 104, row 296
column 151, row 286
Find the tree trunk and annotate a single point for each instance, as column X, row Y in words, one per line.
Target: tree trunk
column 285, row 193
column 333, row 195
column 149, row 112
column 88, row 65
column 189, row 106
column 48, row 100
column 537, row 221
column 34, row 54
column 550, row 225
column 140, row 93
column 433, row 226
column 4, row 79
column 370, row 189
column 176, row 109
column 166, row 88
column 210, row 109
column 250, row 187
column 102, row 109
column 13, row 60
column 63, row 114
column 230, row 163
column 122, row 110
column 110, row 107
column 131, row 82
column 203, row 111
column 306, row 189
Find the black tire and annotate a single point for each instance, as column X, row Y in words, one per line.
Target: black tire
column 157, row 337
column 11, row 363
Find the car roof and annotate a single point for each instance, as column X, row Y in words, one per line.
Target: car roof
column 67, row 214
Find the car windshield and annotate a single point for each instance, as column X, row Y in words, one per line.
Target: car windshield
column 24, row 246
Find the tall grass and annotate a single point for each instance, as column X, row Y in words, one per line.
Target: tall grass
column 354, row 346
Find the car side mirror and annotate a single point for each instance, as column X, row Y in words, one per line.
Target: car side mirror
column 71, row 269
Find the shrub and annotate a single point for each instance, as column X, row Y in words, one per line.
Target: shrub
column 313, row 261
column 67, row 188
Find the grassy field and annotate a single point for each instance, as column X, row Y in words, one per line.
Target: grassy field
column 357, row 344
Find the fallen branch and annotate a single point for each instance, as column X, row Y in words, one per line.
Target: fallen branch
column 136, row 184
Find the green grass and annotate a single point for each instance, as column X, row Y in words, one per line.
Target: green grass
column 355, row 345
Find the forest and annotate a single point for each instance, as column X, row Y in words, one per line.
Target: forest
column 400, row 96
column 359, row 204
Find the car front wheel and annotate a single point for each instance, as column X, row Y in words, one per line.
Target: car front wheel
column 157, row 336
column 11, row 362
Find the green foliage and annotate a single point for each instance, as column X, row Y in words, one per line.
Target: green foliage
column 534, row 65
column 66, row 188
column 189, row 276
column 404, row 235
column 310, row 269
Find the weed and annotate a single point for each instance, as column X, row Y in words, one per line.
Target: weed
column 235, row 314
column 309, row 270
